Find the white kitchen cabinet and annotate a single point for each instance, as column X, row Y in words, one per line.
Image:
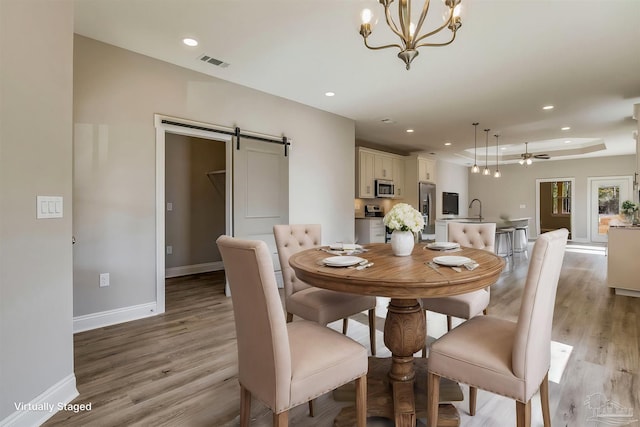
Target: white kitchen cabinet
column 374, row 164
column 365, row 180
column 383, row 167
column 398, row 177
column 370, row 230
column 426, row 169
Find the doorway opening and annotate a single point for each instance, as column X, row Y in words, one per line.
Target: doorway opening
column 192, row 131
column 555, row 199
column 606, row 195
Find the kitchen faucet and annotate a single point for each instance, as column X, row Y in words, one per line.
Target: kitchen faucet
column 480, row 213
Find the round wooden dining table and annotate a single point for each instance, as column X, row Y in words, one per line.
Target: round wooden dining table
column 404, row 280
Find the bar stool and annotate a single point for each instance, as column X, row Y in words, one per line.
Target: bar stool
column 521, row 238
column 506, row 234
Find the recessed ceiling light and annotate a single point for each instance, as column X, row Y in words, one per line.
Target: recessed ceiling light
column 567, row 142
column 329, row 94
column 548, row 107
column 447, row 143
column 503, row 148
column 387, row 121
column 409, row 130
column 190, row 42
column 566, row 128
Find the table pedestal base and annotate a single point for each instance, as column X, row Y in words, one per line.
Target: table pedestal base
column 401, row 401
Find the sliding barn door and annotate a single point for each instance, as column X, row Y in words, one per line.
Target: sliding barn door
column 260, row 191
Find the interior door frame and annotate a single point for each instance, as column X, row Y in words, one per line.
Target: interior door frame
column 195, row 129
column 573, row 202
column 589, row 198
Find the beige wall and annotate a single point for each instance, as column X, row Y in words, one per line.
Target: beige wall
column 116, row 94
column 198, row 214
column 36, row 338
column 518, row 187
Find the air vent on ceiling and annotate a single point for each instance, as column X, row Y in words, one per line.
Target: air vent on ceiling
column 213, row 61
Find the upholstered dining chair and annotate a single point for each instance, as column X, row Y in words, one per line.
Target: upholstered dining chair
column 465, row 306
column 303, row 300
column 283, row 364
column 507, row 358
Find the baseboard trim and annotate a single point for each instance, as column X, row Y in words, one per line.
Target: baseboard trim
column 193, row 269
column 50, row 401
column 627, row 292
column 112, row 317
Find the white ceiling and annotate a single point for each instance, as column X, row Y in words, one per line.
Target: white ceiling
column 510, row 58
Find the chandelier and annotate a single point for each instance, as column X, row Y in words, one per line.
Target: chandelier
column 408, row 31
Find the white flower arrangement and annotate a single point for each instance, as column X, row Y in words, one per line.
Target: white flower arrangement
column 403, row 217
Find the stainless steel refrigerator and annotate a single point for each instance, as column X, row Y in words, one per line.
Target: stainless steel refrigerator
column 427, row 200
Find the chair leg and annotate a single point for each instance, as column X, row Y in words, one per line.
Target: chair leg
column 361, row 401
column 473, row 398
column 311, row 412
column 289, row 317
column 281, row 419
column 523, row 414
column 448, row 323
column 424, row 349
column 245, row 406
column 372, row 330
column 433, row 398
column 345, row 325
column 544, row 400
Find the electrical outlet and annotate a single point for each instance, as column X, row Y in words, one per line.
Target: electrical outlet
column 523, row 206
column 104, row 280
column 169, row 250
column 169, row 206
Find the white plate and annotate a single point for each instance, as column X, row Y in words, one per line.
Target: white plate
column 342, row 261
column 452, row 261
column 443, row 246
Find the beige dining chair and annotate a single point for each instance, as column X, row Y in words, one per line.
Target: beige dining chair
column 507, row 358
column 303, row 300
column 465, row 306
column 283, row 364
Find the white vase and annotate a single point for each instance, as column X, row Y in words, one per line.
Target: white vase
column 402, row 243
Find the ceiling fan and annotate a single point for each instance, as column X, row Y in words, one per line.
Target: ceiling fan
column 527, row 157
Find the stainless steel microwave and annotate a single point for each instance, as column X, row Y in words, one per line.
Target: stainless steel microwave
column 385, row 188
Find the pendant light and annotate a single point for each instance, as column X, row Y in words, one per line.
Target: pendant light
column 497, row 174
column 486, row 170
column 475, row 168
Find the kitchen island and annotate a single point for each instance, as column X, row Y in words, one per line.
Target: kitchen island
column 441, row 224
column 623, row 269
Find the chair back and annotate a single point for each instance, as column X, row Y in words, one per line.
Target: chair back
column 532, row 343
column 290, row 239
column 264, row 360
column 478, row 236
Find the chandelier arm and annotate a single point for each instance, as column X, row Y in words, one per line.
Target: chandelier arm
column 437, row 30
column 404, row 17
column 437, row 44
column 381, row 47
column 392, row 25
column 423, row 15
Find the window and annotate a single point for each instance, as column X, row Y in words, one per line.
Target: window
column 561, row 198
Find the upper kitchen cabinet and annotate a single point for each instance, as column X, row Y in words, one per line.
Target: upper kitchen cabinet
column 398, row 177
column 365, row 180
column 426, row 169
column 383, row 167
column 372, row 165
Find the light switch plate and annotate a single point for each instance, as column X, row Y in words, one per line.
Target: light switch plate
column 49, row 207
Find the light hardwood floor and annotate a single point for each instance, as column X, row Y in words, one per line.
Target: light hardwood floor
column 179, row 368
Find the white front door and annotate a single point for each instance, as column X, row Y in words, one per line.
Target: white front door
column 606, row 197
column 260, row 191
